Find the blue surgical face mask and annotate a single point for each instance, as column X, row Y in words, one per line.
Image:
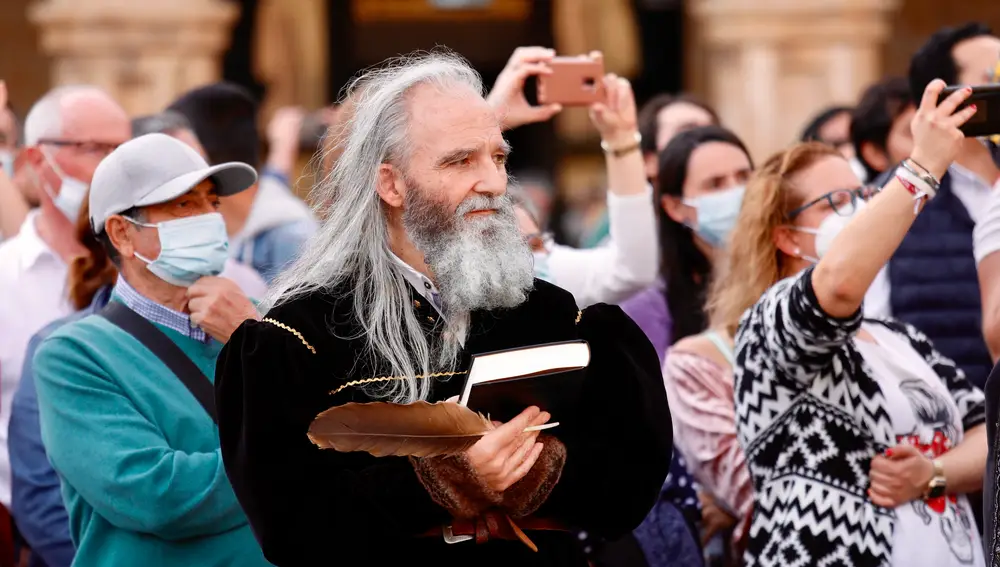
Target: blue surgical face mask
column 717, row 214
column 190, row 248
column 71, row 192
column 7, row 162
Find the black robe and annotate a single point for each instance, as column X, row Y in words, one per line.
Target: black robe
column 309, row 506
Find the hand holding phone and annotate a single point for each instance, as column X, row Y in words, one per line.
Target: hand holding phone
column 507, row 96
column 573, row 81
column 986, row 120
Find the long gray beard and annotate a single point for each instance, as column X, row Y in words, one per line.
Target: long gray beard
column 484, row 263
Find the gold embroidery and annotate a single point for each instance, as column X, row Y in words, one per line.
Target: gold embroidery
column 579, row 315
column 297, row 334
column 388, row 378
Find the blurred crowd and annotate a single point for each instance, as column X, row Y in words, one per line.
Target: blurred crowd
column 826, row 321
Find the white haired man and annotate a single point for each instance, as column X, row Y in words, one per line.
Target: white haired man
column 67, row 134
column 419, row 265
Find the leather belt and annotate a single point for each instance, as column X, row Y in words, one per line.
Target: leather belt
column 494, row 525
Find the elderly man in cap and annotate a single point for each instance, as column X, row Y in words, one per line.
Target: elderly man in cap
column 125, row 395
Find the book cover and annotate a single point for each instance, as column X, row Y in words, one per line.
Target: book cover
column 550, row 376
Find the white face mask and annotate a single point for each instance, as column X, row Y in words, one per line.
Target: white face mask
column 827, row 231
column 190, row 248
column 71, row 192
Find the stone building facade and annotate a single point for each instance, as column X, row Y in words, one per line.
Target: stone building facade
column 765, row 64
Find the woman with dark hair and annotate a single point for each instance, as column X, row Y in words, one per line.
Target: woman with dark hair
column 699, row 191
column 701, row 185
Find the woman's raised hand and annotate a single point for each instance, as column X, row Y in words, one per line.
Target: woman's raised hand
column 936, row 135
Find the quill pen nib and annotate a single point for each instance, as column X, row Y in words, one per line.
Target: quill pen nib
column 542, row 427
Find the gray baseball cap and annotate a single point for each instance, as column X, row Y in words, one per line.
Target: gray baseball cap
column 154, row 169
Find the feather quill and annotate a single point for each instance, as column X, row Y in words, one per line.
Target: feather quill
column 386, row 429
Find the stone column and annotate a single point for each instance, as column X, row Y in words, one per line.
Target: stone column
column 144, row 53
column 770, row 65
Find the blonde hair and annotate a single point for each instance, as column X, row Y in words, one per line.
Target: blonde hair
column 753, row 262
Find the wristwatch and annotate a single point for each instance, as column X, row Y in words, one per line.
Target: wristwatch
column 937, row 484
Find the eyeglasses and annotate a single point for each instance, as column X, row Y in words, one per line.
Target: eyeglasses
column 83, row 146
column 842, row 201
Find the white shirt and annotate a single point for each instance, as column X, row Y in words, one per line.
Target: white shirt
column 625, row 265
column 33, row 288
column 942, row 532
column 421, row 283
column 974, row 193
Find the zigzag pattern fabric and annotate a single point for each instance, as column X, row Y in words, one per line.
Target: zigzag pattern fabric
column 810, row 418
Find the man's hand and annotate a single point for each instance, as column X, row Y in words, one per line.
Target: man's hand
column 218, row 306
column 507, row 97
column 898, row 477
column 503, row 456
column 616, row 118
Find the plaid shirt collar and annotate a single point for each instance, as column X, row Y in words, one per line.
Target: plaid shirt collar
column 156, row 313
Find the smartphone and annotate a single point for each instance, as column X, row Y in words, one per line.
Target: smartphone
column 574, row 81
column 986, row 120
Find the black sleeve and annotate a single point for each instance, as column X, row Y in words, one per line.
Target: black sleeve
column 618, row 456
column 303, row 502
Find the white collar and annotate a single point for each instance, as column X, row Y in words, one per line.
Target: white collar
column 32, row 246
column 965, row 175
column 420, row 282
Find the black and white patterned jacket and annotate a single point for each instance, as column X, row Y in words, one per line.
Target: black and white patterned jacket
column 810, row 418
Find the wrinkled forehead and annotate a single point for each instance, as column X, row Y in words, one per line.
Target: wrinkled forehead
column 443, row 119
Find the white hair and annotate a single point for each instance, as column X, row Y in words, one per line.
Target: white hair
column 45, row 118
column 352, row 245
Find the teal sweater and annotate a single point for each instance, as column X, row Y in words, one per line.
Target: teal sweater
column 138, row 457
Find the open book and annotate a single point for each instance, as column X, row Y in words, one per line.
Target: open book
column 502, row 384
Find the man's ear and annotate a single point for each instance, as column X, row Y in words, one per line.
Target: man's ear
column 118, row 233
column 874, row 156
column 674, row 208
column 786, row 239
column 390, row 186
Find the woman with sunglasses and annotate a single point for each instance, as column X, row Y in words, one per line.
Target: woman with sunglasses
column 861, row 439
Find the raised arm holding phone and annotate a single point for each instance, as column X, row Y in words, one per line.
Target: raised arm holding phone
column 905, row 439
column 628, row 263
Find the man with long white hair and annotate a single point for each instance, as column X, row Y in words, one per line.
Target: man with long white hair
column 418, row 266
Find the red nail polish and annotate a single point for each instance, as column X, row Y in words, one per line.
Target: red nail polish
column 973, row 107
column 888, row 452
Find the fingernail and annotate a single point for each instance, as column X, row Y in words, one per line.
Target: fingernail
column 973, row 107
column 888, row 452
